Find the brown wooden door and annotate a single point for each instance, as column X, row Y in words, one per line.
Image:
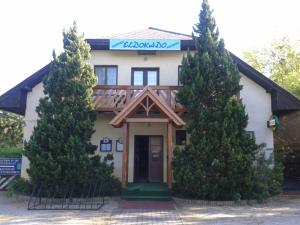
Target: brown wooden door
column 155, row 159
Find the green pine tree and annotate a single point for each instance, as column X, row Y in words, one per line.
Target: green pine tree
column 60, row 147
column 218, row 162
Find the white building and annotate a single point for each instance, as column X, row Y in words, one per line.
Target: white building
column 139, row 121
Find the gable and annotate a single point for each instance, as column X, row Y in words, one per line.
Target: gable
column 282, row 100
column 14, row 100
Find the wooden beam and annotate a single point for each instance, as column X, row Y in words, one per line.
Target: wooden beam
column 125, row 155
column 147, row 120
column 169, row 97
column 112, row 109
column 170, row 155
column 134, row 104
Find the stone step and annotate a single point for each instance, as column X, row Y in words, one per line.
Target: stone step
column 147, row 191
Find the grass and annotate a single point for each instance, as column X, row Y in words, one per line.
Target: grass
column 10, row 152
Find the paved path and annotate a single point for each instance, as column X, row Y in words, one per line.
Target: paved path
column 14, row 211
column 280, row 211
column 146, row 213
column 284, row 210
column 146, row 217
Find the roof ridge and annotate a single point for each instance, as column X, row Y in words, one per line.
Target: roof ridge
column 266, row 79
column 168, row 31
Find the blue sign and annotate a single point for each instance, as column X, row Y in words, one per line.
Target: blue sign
column 10, row 166
column 129, row 44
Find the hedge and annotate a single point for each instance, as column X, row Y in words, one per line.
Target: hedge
column 10, row 152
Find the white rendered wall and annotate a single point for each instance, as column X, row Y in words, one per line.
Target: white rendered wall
column 30, row 119
column 259, row 110
column 255, row 98
column 167, row 62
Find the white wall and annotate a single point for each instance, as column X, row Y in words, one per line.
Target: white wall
column 103, row 129
column 255, row 98
column 30, row 119
column 167, row 62
column 259, row 110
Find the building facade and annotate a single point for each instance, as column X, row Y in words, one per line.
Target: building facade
column 139, row 120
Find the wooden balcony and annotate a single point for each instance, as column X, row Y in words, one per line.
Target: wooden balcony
column 110, row 98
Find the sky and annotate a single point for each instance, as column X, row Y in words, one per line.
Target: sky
column 31, row 29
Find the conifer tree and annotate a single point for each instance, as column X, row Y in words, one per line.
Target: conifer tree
column 218, row 161
column 60, row 147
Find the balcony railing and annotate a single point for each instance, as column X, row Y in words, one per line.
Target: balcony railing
column 113, row 98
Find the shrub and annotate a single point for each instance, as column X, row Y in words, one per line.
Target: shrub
column 268, row 176
column 113, row 187
column 101, row 171
column 19, row 186
column 10, row 152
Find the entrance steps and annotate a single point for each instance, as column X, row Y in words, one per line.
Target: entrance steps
column 147, row 191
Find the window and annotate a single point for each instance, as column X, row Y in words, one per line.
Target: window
column 180, row 137
column 152, row 78
column 138, row 78
column 145, row 76
column 107, row 75
column 179, row 71
column 251, row 134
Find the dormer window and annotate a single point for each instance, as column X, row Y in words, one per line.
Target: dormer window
column 107, row 75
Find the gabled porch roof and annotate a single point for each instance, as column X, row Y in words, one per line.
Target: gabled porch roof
column 147, row 92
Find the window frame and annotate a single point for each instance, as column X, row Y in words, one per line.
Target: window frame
column 251, row 134
column 106, row 66
column 178, row 74
column 177, row 141
column 145, row 77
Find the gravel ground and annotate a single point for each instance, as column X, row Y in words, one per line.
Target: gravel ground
column 282, row 210
column 14, row 211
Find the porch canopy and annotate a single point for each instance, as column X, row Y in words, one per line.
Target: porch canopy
column 148, row 99
column 147, row 107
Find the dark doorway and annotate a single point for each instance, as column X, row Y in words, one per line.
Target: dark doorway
column 141, row 158
column 148, row 158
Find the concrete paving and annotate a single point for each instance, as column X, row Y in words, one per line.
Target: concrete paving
column 13, row 210
column 146, row 217
column 283, row 210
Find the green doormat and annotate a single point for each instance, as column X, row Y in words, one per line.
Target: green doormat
column 147, row 191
